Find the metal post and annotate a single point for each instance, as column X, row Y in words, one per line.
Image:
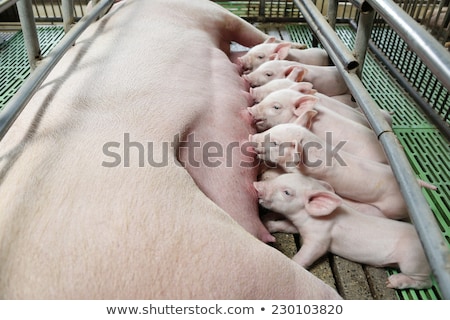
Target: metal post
column 332, row 13
column 363, row 33
column 30, row 35
column 262, row 10
column 67, row 14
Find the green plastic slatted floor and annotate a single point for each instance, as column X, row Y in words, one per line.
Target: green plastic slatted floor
column 14, row 67
column 427, row 150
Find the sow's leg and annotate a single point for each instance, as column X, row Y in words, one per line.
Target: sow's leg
column 85, row 215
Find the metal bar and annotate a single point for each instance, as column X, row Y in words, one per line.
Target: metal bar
column 67, row 14
column 326, row 35
column 6, row 4
column 17, row 103
column 262, row 9
column 30, row 35
column 332, row 13
column 432, row 53
column 362, row 5
column 363, row 34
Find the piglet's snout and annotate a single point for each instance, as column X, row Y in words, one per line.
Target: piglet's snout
column 259, row 189
column 251, row 111
column 247, row 79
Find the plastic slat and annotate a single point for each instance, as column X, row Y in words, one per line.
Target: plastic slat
column 14, row 67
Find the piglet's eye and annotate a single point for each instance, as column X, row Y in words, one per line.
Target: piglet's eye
column 286, row 192
column 276, row 107
column 261, row 57
column 268, row 74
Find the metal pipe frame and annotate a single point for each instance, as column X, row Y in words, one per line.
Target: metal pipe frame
column 262, row 9
column 432, row 53
column 435, row 117
column 67, row 14
column 26, row 16
column 363, row 33
column 362, row 5
column 5, row 5
column 329, row 38
column 18, row 102
column 332, row 13
column 435, row 247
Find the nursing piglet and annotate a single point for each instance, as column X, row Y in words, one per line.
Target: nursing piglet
column 327, row 224
column 287, row 105
column 295, row 148
column 342, row 103
column 281, row 225
column 326, row 80
column 270, row 49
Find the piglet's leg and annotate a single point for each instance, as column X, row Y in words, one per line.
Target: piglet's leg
column 280, row 226
column 403, row 281
column 309, row 253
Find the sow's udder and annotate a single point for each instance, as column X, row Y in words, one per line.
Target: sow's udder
column 215, row 149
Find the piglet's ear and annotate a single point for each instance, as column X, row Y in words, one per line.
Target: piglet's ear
column 274, row 56
column 303, row 87
column 306, row 102
column 326, row 185
column 321, row 203
column 283, row 50
column 305, row 119
column 295, row 73
column 270, row 40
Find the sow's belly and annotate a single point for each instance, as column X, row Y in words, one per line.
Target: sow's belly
column 215, row 150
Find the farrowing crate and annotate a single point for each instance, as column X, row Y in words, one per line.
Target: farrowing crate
column 393, row 74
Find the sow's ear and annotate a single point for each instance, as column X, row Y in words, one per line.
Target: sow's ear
column 321, row 203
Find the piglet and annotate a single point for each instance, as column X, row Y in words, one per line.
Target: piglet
column 271, row 48
column 343, row 104
column 326, row 80
column 295, row 149
column 327, row 224
column 284, row 106
column 259, row 93
column 281, row 225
